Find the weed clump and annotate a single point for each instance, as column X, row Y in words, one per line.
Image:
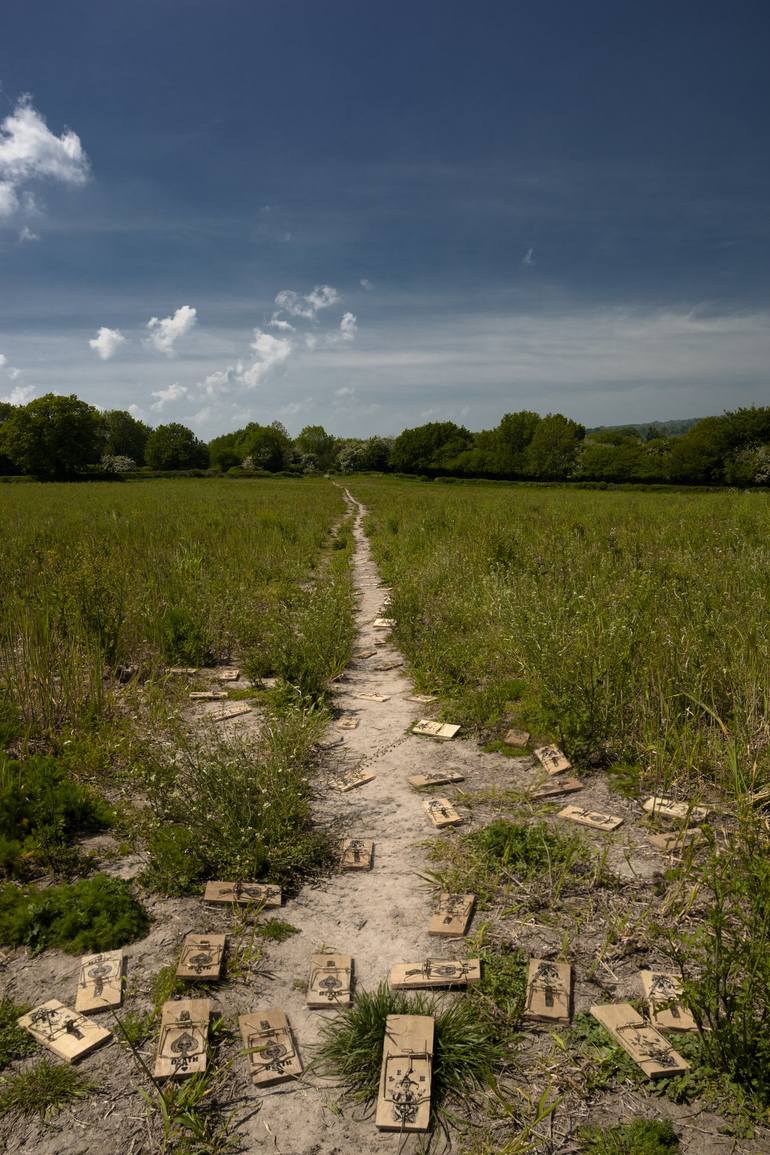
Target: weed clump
column 642, row 1137
column 41, row 811
column 14, row 1043
column 95, row 914
column 42, row 1089
column 466, row 1050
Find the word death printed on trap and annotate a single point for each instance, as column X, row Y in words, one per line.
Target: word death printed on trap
column 270, row 1047
column 593, row 818
column 202, row 957
column 441, row 812
column 430, row 729
column 229, row 710
column 242, row 893
column 643, row 1043
column 352, row 780
column 403, row 1100
column 330, row 979
column 435, row 972
column 674, row 811
column 100, row 981
column 67, row 1034
column 440, row 778
column 356, row 854
column 549, row 991
column 452, row 914
column 663, row 993
column 552, row 759
column 556, row 787
column 182, row 1043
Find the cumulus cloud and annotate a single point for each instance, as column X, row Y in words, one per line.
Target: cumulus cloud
column 29, row 151
column 529, row 257
column 307, row 305
column 275, row 322
column 20, row 395
column 26, row 234
column 14, row 373
column 107, row 342
column 175, row 392
column 165, row 332
column 269, row 353
column 366, row 284
column 3, row 360
column 348, row 327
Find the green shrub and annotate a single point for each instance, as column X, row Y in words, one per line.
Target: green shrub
column 724, row 961
column 14, row 1043
column 41, row 811
column 642, row 1137
column 42, row 1089
column 183, row 638
column 237, row 809
column 96, row 914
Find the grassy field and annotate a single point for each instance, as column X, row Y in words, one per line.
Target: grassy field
column 633, row 628
column 96, row 578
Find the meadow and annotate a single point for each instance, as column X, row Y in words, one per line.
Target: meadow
column 632, row 628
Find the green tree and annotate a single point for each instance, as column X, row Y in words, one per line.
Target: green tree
column 175, row 446
column 224, row 453
column 52, row 436
column 314, row 442
column 268, row 446
column 513, row 437
column 553, row 451
column 428, row 447
column 125, row 436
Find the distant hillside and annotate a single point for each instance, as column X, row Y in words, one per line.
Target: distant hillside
column 651, row 428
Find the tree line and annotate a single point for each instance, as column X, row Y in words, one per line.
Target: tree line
column 59, row 437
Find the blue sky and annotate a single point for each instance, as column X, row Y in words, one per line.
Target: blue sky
column 372, row 215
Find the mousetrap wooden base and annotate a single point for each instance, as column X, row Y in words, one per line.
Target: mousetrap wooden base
column 202, row 957
column 549, row 991
column 403, row 1101
column 428, row 729
column 552, row 759
column 65, row 1033
column 183, row 1040
column 352, row 780
column 556, row 787
column 270, row 1048
column 243, row 894
column 593, row 818
column 436, row 972
column 643, row 1043
column 674, row 811
column 452, row 914
column 663, row 993
column 440, row 778
column 228, row 710
column 100, row 982
column 518, row 738
column 675, row 841
column 441, row 812
column 356, row 854
column 330, row 981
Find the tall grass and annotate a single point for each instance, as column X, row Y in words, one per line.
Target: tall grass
column 97, row 577
column 626, row 623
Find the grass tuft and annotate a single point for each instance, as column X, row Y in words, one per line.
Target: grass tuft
column 42, row 1089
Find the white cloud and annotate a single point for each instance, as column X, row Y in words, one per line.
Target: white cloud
column 348, row 327
column 529, row 257
column 14, row 373
column 26, row 234
column 269, row 353
column 30, row 151
column 20, row 395
column 169, row 396
column 166, row 332
column 107, row 342
column 275, row 322
column 136, row 411
column 3, row 360
column 309, row 304
column 345, row 391
column 311, row 340
column 366, row 284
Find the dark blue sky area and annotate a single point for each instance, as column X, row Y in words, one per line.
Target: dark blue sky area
column 557, row 205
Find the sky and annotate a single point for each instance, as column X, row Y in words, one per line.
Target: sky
column 372, row 215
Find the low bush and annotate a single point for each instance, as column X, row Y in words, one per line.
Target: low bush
column 42, row 1089
column 41, row 811
column 237, row 809
column 14, row 1043
column 95, row 914
column 642, row 1137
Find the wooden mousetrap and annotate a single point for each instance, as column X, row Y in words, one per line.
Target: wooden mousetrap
column 593, row 818
column 552, row 759
column 242, row 893
column 346, row 722
column 330, row 980
column 403, row 1100
column 182, row 1043
column 452, row 914
column 435, row 972
column 517, row 738
column 100, row 981
column 352, row 779
column 229, row 710
column 356, row 854
column 440, row 778
column 663, row 993
column 441, row 812
column 549, row 991
column 429, row 729
column 643, row 1043
column 675, row 841
column 202, row 957
column 674, row 811
column 270, row 1047
column 556, row 787
column 68, row 1035
column 384, row 623
column 422, row 699
column 207, row 695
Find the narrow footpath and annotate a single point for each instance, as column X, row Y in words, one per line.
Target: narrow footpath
column 381, row 916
